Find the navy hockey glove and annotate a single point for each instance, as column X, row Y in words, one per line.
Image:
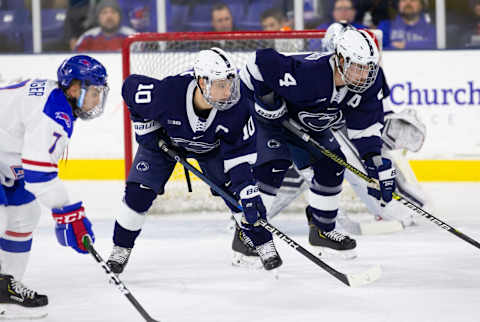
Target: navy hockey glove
column 381, row 169
column 252, row 204
column 72, row 225
column 270, row 109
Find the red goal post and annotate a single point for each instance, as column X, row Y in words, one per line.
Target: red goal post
column 163, row 54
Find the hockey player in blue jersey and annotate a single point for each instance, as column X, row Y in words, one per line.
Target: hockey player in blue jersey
column 201, row 115
column 319, row 91
column 37, row 117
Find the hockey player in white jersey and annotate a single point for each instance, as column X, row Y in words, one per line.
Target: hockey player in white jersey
column 37, row 118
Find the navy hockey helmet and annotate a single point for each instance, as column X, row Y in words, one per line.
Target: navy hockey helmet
column 94, row 89
column 84, row 68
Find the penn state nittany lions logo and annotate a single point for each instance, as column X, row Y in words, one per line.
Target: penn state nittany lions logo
column 319, row 121
column 64, row 116
column 142, row 166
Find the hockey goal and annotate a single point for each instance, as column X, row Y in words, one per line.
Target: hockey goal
column 163, row 54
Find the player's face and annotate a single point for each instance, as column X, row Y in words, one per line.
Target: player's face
column 93, row 101
column 221, row 90
column 357, row 73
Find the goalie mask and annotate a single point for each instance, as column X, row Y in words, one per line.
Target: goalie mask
column 356, row 57
column 222, row 84
column 93, row 81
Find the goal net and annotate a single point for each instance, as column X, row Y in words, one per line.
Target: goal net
column 160, row 55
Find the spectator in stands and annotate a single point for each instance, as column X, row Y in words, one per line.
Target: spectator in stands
column 222, row 19
column 371, row 12
column 343, row 11
column 108, row 36
column 80, row 17
column 472, row 30
column 411, row 28
column 274, row 19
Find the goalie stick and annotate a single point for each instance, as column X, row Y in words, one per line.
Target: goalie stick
column 298, row 131
column 352, row 280
column 114, row 279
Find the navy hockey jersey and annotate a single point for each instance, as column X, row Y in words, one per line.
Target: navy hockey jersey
column 159, row 107
column 306, row 83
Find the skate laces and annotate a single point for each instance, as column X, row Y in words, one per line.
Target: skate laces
column 267, row 250
column 120, row 254
column 21, row 289
column 335, row 235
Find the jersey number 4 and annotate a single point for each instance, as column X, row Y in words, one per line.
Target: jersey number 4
column 287, row 80
column 143, row 94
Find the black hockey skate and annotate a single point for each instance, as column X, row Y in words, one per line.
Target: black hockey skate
column 269, row 255
column 244, row 252
column 331, row 242
column 118, row 259
column 14, row 292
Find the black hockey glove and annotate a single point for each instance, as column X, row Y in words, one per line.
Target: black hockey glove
column 381, row 169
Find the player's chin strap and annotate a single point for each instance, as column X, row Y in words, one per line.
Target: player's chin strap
column 298, row 131
column 353, row 280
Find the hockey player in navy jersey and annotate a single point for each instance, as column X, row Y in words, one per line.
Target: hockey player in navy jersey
column 37, row 118
column 402, row 131
column 201, row 115
column 319, row 91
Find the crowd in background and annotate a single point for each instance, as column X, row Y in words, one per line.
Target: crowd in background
column 101, row 25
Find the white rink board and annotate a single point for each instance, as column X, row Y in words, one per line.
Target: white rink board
column 452, row 128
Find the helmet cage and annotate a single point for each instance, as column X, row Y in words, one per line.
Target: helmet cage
column 358, row 77
column 222, row 104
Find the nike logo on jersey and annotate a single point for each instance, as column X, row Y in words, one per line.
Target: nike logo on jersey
column 320, row 100
column 197, row 137
column 145, row 187
column 339, row 173
column 330, row 139
column 277, row 170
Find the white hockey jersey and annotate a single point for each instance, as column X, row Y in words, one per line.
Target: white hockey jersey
column 36, row 123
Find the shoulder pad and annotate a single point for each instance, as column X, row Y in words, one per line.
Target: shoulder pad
column 58, row 109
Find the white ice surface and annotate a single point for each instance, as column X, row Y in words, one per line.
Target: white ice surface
column 180, row 270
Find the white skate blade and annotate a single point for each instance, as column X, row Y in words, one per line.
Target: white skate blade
column 380, row 227
column 16, row 312
column 250, row 262
column 364, row 278
column 326, row 252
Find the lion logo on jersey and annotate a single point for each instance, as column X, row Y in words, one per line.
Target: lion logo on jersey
column 319, row 121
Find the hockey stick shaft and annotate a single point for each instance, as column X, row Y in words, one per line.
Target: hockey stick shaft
column 297, row 131
column 114, row 278
column 227, row 196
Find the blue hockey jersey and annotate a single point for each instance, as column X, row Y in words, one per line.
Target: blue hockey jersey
column 164, row 108
column 306, row 83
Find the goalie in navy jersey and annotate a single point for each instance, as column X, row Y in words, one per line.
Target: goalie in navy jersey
column 199, row 114
column 319, row 92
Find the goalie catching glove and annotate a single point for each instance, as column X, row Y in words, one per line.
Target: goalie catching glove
column 381, row 169
column 72, row 225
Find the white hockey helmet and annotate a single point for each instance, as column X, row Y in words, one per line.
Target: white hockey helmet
column 333, row 31
column 217, row 69
column 359, row 52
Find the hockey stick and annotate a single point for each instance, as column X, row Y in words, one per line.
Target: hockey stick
column 353, row 280
column 297, row 130
column 114, row 278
